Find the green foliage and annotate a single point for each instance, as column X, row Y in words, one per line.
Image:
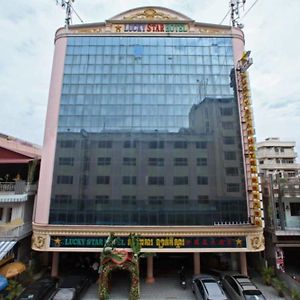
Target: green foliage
column 295, row 294
column 268, row 273
column 135, row 245
column 279, row 285
column 14, row 289
column 131, row 265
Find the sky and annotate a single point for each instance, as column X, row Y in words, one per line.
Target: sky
column 27, row 44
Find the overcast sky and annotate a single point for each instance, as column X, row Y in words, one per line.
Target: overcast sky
column 271, row 32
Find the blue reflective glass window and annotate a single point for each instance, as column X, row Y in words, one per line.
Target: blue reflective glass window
column 118, row 88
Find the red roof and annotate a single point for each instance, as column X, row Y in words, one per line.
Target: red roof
column 13, row 150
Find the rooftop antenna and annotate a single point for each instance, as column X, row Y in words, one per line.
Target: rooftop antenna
column 235, row 6
column 67, row 4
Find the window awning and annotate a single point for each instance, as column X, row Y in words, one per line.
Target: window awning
column 5, row 247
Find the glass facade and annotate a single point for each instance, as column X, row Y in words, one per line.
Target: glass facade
column 140, row 83
column 148, row 133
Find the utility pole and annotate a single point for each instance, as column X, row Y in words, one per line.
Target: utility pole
column 235, row 6
column 67, row 4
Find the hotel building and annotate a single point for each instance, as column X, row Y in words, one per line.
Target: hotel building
column 149, row 131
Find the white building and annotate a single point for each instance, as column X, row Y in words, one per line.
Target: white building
column 281, row 195
column 19, row 165
column 277, row 157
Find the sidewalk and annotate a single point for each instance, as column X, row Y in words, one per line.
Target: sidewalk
column 268, row 291
column 167, row 288
column 162, row 289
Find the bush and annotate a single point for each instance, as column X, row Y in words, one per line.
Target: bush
column 268, row 273
column 14, row 289
column 295, row 295
column 279, row 286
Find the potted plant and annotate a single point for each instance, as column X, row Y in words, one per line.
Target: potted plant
column 267, row 274
column 279, row 286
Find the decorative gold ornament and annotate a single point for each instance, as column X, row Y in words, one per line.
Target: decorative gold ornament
column 118, row 28
column 253, row 169
column 258, row 222
column 257, row 213
column 256, row 204
column 87, row 30
column 257, row 242
column 38, row 241
column 150, row 14
column 238, row 242
column 205, row 30
column 57, row 242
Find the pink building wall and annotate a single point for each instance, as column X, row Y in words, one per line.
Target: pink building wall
column 42, row 206
column 238, row 44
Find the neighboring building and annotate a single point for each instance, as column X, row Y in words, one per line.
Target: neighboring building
column 149, row 130
column 282, row 202
column 19, row 168
column 281, row 195
column 277, row 157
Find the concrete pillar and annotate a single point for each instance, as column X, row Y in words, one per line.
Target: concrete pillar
column 234, row 261
column 196, row 263
column 243, row 263
column 150, row 278
column 55, row 261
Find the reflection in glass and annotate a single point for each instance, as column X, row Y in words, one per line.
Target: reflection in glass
column 148, row 133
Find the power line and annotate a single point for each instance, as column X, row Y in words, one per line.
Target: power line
column 235, row 6
column 224, row 17
column 67, row 5
column 77, row 14
column 250, row 8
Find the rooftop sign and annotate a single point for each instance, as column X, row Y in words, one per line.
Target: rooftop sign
column 151, row 27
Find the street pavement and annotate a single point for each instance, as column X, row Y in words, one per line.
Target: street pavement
column 167, row 288
column 268, row 291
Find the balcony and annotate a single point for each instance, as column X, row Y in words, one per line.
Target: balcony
column 12, row 198
column 15, row 230
column 17, row 188
column 291, row 226
column 279, row 166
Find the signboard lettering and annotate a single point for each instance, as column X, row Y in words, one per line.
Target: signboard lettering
column 151, row 242
column 152, row 27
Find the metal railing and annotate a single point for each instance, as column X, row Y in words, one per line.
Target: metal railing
column 18, row 187
column 7, row 187
column 16, row 232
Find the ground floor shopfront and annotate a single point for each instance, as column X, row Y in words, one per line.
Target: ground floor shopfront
column 157, row 265
column 195, row 242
